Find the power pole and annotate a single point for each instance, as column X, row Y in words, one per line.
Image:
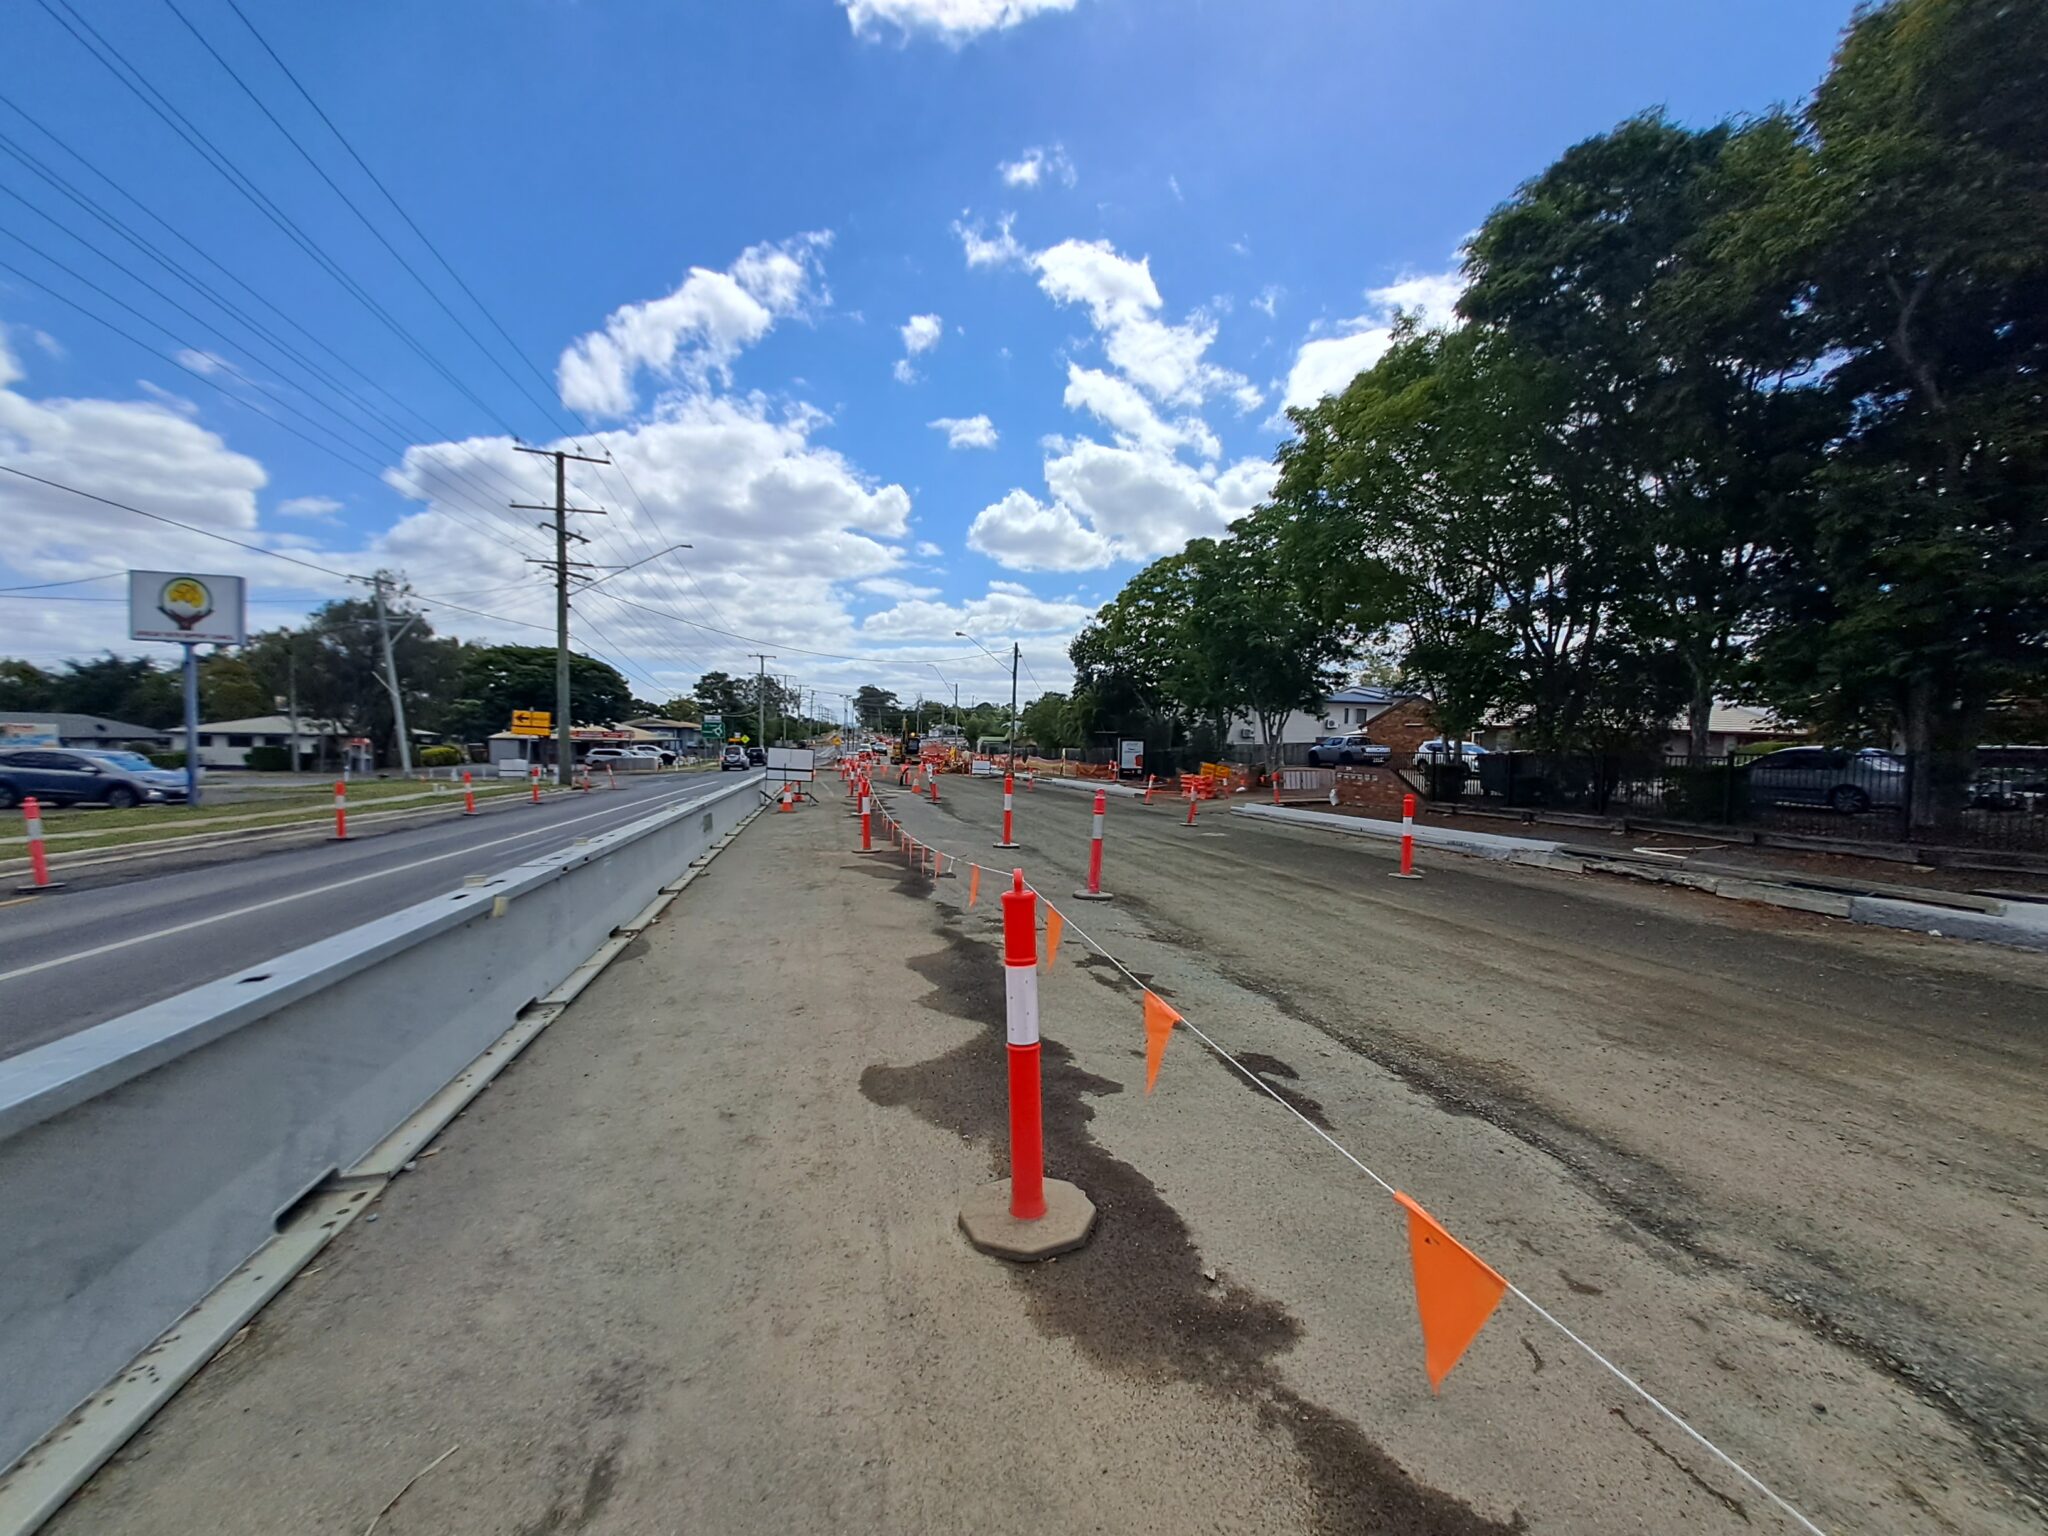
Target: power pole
column 762, row 695
column 391, row 673
column 565, row 741
column 1016, row 651
column 291, row 689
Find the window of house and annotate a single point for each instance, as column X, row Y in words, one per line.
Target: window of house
column 238, row 739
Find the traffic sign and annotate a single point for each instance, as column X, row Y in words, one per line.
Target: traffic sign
column 714, row 727
column 533, row 722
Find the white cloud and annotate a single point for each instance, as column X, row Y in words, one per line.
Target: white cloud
column 200, row 362
column 951, row 21
column 1007, row 608
column 1116, row 503
column 967, row 431
column 134, row 451
column 921, row 333
column 1026, row 535
column 1173, row 186
column 1326, row 365
column 903, row 372
column 1036, row 165
column 997, row 250
column 894, row 588
column 927, row 550
column 694, row 333
column 1123, row 408
column 1122, row 303
column 308, row 506
column 1268, row 301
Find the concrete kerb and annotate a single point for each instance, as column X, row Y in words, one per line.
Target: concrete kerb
column 50, row 1471
column 2014, row 925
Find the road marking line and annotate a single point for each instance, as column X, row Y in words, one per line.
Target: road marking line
column 321, row 890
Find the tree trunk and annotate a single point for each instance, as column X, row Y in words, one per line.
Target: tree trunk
column 1697, row 718
column 1941, row 752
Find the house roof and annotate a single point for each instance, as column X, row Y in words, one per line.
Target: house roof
column 1364, row 693
column 90, row 727
column 271, row 725
column 1738, row 720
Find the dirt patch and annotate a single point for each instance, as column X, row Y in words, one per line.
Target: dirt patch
column 1135, row 1300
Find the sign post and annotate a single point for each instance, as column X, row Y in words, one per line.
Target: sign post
column 190, row 610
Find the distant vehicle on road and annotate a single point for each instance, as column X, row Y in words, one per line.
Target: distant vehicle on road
column 757, row 757
column 733, row 757
column 1352, row 747
column 57, row 776
column 1843, row 779
column 597, row 757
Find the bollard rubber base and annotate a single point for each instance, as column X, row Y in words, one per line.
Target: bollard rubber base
column 1395, row 874
column 1006, row 845
column 39, row 890
column 1068, row 1221
column 1093, row 896
column 351, row 837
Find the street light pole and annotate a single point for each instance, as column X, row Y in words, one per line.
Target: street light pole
column 1016, row 653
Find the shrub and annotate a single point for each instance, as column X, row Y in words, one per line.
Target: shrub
column 442, row 757
column 1706, row 792
column 167, row 759
column 268, row 759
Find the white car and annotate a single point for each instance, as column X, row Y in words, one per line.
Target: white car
column 1437, row 750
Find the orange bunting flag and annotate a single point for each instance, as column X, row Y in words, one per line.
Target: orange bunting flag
column 1159, row 1021
column 1055, row 926
column 973, row 884
column 1455, row 1292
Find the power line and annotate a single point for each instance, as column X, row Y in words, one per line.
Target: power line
column 204, row 147
column 879, row 661
column 158, row 517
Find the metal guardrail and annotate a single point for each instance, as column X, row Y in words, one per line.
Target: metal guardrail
column 143, row 1159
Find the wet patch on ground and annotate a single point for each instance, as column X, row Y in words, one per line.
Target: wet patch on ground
column 1135, row 1300
column 1278, row 1076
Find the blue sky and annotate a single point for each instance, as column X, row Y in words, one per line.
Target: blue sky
column 910, row 315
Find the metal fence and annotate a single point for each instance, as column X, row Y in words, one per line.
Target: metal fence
column 1827, row 792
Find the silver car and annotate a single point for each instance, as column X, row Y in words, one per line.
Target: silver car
column 1845, row 779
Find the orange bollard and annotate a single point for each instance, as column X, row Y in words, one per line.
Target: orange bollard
column 534, row 776
column 1193, row 801
column 39, row 879
column 468, row 795
column 1150, row 781
column 1009, row 792
column 1407, row 871
column 1094, row 891
column 340, row 812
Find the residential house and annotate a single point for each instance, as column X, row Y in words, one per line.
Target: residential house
column 676, row 735
column 1352, row 708
column 227, row 743
column 48, row 728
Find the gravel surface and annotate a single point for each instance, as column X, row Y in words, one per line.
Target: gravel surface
column 692, row 1265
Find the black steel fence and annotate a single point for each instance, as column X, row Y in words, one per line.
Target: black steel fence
column 1829, row 792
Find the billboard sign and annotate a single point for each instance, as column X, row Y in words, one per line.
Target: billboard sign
column 29, row 733
column 185, row 606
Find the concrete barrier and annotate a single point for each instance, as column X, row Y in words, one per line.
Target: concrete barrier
column 144, row 1159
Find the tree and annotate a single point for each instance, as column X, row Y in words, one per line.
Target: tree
column 1255, row 644
column 494, row 680
column 340, row 670
column 228, row 690
column 1050, row 723
column 717, row 693
column 132, row 689
column 1914, row 587
column 24, row 685
column 1683, row 389
column 876, row 708
column 1445, row 492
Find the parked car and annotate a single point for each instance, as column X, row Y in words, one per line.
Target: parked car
column 733, row 757
column 1352, row 747
column 597, row 757
column 1848, row 780
column 59, row 776
column 1438, row 750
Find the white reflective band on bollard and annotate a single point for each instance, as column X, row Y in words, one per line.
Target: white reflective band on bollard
column 1020, row 992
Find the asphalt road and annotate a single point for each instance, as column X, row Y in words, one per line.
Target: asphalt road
column 126, row 935
column 1847, row 1127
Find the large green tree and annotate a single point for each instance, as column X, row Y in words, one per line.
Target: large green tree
column 1681, row 388
column 494, row 680
column 1914, row 589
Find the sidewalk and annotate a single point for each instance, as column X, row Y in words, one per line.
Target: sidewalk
column 692, row 1265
